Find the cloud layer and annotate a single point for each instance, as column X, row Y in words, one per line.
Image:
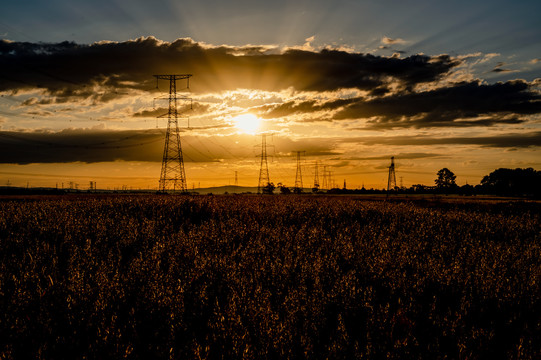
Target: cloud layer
column 73, row 70
column 90, row 146
column 367, row 92
column 394, row 96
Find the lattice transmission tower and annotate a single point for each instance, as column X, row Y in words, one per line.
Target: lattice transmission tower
column 264, row 178
column 325, row 180
column 173, row 176
column 391, row 181
column 316, row 177
column 298, row 174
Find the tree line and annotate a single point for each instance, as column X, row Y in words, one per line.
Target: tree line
column 502, row 182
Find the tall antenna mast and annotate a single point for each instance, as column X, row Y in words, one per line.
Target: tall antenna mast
column 391, row 182
column 264, row 178
column 172, row 175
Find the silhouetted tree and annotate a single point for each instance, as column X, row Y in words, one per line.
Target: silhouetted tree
column 445, row 180
column 284, row 190
column 467, row 190
column 512, row 182
column 268, row 189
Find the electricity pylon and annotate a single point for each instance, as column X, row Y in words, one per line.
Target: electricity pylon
column 298, row 174
column 330, row 179
column 316, row 178
column 172, row 175
column 264, row 178
column 325, row 182
column 391, row 182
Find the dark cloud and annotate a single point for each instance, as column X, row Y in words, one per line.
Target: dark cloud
column 185, row 110
column 70, row 70
column 513, row 140
column 79, row 145
column 464, row 104
column 91, row 146
column 459, row 105
column 451, row 118
column 150, row 113
column 299, row 107
column 501, row 70
column 400, row 156
column 35, row 101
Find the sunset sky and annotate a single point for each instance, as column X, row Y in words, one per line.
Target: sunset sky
column 435, row 84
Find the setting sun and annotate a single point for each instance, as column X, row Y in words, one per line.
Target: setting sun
column 247, row 123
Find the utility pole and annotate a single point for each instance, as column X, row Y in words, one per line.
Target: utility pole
column 298, row 174
column 391, row 181
column 236, row 179
column 264, row 178
column 173, row 175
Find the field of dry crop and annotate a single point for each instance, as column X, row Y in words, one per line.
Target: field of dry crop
column 159, row 277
